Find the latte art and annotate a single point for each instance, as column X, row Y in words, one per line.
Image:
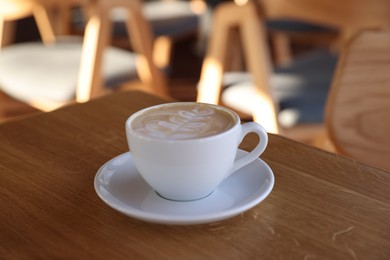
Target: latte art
column 184, row 121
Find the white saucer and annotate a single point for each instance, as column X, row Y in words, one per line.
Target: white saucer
column 119, row 184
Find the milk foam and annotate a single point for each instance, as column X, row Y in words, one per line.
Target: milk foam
column 183, row 121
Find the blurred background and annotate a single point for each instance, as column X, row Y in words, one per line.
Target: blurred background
column 272, row 61
column 185, row 58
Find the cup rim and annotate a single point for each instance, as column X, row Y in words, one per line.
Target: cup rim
column 200, row 139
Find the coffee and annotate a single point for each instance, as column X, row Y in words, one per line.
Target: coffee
column 180, row 121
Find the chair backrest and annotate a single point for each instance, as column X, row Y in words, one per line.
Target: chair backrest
column 11, row 10
column 349, row 16
column 41, row 10
column 341, row 14
column 358, row 107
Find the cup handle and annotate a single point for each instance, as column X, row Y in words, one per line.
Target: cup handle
column 251, row 127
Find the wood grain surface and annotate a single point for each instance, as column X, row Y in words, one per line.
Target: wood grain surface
column 358, row 106
column 323, row 206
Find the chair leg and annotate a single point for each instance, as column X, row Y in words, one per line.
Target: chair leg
column 141, row 40
column 45, row 27
column 7, row 32
column 234, row 56
column 62, row 18
column 257, row 54
column 209, row 87
column 162, row 51
column 90, row 83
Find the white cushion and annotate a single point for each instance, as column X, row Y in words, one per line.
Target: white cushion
column 300, row 89
column 33, row 70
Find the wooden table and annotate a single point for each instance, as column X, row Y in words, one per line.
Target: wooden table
column 323, row 206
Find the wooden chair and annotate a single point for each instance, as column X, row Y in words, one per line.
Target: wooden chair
column 61, row 70
column 170, row 21
column 358, row 107
column 254, row 93
column 291, row 37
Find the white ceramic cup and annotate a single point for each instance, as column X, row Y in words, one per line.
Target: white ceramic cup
column 190, row 169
